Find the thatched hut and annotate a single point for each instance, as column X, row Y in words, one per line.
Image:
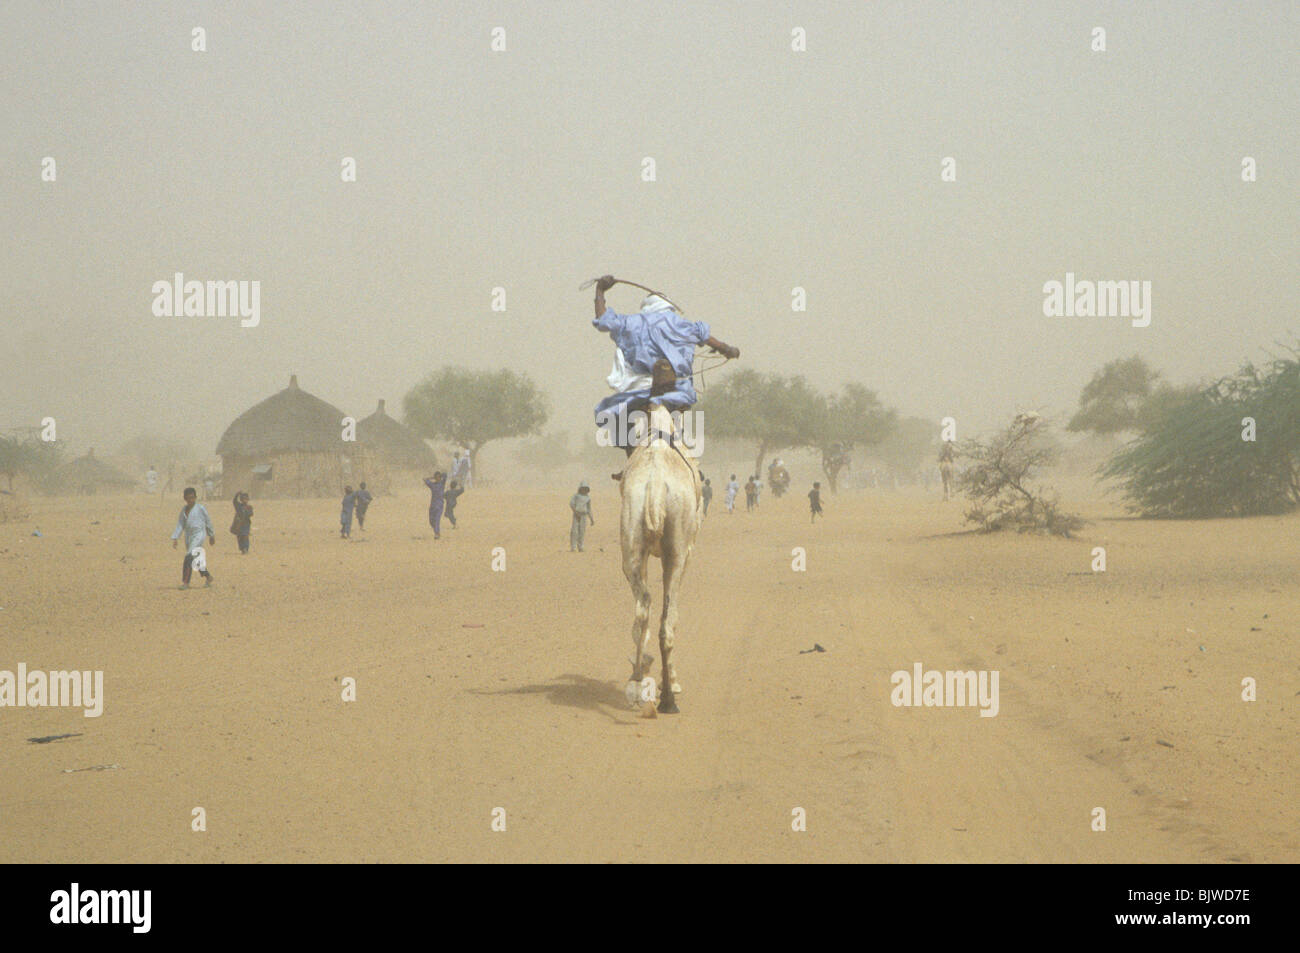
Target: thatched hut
column 87, row 475
column 291, row 445
column 395, row 446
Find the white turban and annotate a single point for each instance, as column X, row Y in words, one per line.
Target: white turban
column 654, row 303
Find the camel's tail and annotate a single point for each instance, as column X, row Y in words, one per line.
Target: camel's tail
column 655, row 505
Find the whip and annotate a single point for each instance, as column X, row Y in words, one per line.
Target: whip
column 623, row 281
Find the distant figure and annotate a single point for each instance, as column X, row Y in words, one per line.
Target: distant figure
column 171, row 478
column 945, row 467
column 815, row 501
column 460, row 468
column 208, row 488
column 194, row 523
column 349, row 504
column 707, row 494
column 749, row 494
column 364, row 497
column 436, row 484
column 580, row 504
column 451, row 496
column 151, row 480
column 243, row 523
column 778, row 477
column 758, row 489
column 731, row 490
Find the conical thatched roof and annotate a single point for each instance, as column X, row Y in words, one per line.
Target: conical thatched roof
column 87, row 471
column 289, row 421
column 397, row 442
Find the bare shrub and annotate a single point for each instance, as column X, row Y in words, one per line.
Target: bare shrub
column 996, row 480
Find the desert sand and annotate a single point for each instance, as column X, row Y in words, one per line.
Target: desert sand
column 479, row 689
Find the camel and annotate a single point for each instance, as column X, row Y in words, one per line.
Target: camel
column 661, row 513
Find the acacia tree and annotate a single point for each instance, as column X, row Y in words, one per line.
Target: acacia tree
column 997, row 480
column 1112, row 401
column 27, row 455
column 854, row 417
column 471, row 408
column 912, row 444
column 1229, row 449
column 773, row 411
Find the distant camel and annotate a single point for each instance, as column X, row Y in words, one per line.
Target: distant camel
column 662, row 511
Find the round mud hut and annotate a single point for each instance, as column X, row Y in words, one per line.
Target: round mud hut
column 87, row 476
column 396, row 449
column 291, row 445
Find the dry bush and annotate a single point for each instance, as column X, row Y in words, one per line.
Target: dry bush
column 996, row 480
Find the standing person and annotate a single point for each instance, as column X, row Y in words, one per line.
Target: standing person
column 731, row 490
column 194, row 523
column 436, row 484
column 364, row 498
column 758, row 488
column 749, row 494
column 151, row 480
column 815, row 501
column 243, row 523
column 945, row 467
column 459, row 468
column 453, row 493
column 707, row 494
column 208, row 487
column 349, row 504
column 580, row 504
column 466, row 477
column 171, row 478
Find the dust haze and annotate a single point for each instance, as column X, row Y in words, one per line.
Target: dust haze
column 522, row 170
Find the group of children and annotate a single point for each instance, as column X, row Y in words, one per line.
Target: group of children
column 194, row 524
column 442, row 497
column 442, row 501
column 580, row 505
column 357, row 501
column 753, row 488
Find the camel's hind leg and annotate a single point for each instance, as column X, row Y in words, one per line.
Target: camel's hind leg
column 674, row 560
column 634, row 567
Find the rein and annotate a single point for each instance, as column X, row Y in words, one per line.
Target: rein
column 671, row 439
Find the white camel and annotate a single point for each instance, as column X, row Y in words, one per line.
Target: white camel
column 662, row 511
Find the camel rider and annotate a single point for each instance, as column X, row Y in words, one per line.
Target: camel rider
column 653, row 356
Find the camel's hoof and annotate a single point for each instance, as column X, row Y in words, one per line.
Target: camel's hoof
column 668, row 705
column 640, row 693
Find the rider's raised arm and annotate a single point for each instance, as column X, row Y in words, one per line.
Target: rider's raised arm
column 602, row 285
column 723, row 348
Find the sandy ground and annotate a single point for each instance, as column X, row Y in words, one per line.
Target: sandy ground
column 479, row 689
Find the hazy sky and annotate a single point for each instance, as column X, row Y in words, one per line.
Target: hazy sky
column 522, row 169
